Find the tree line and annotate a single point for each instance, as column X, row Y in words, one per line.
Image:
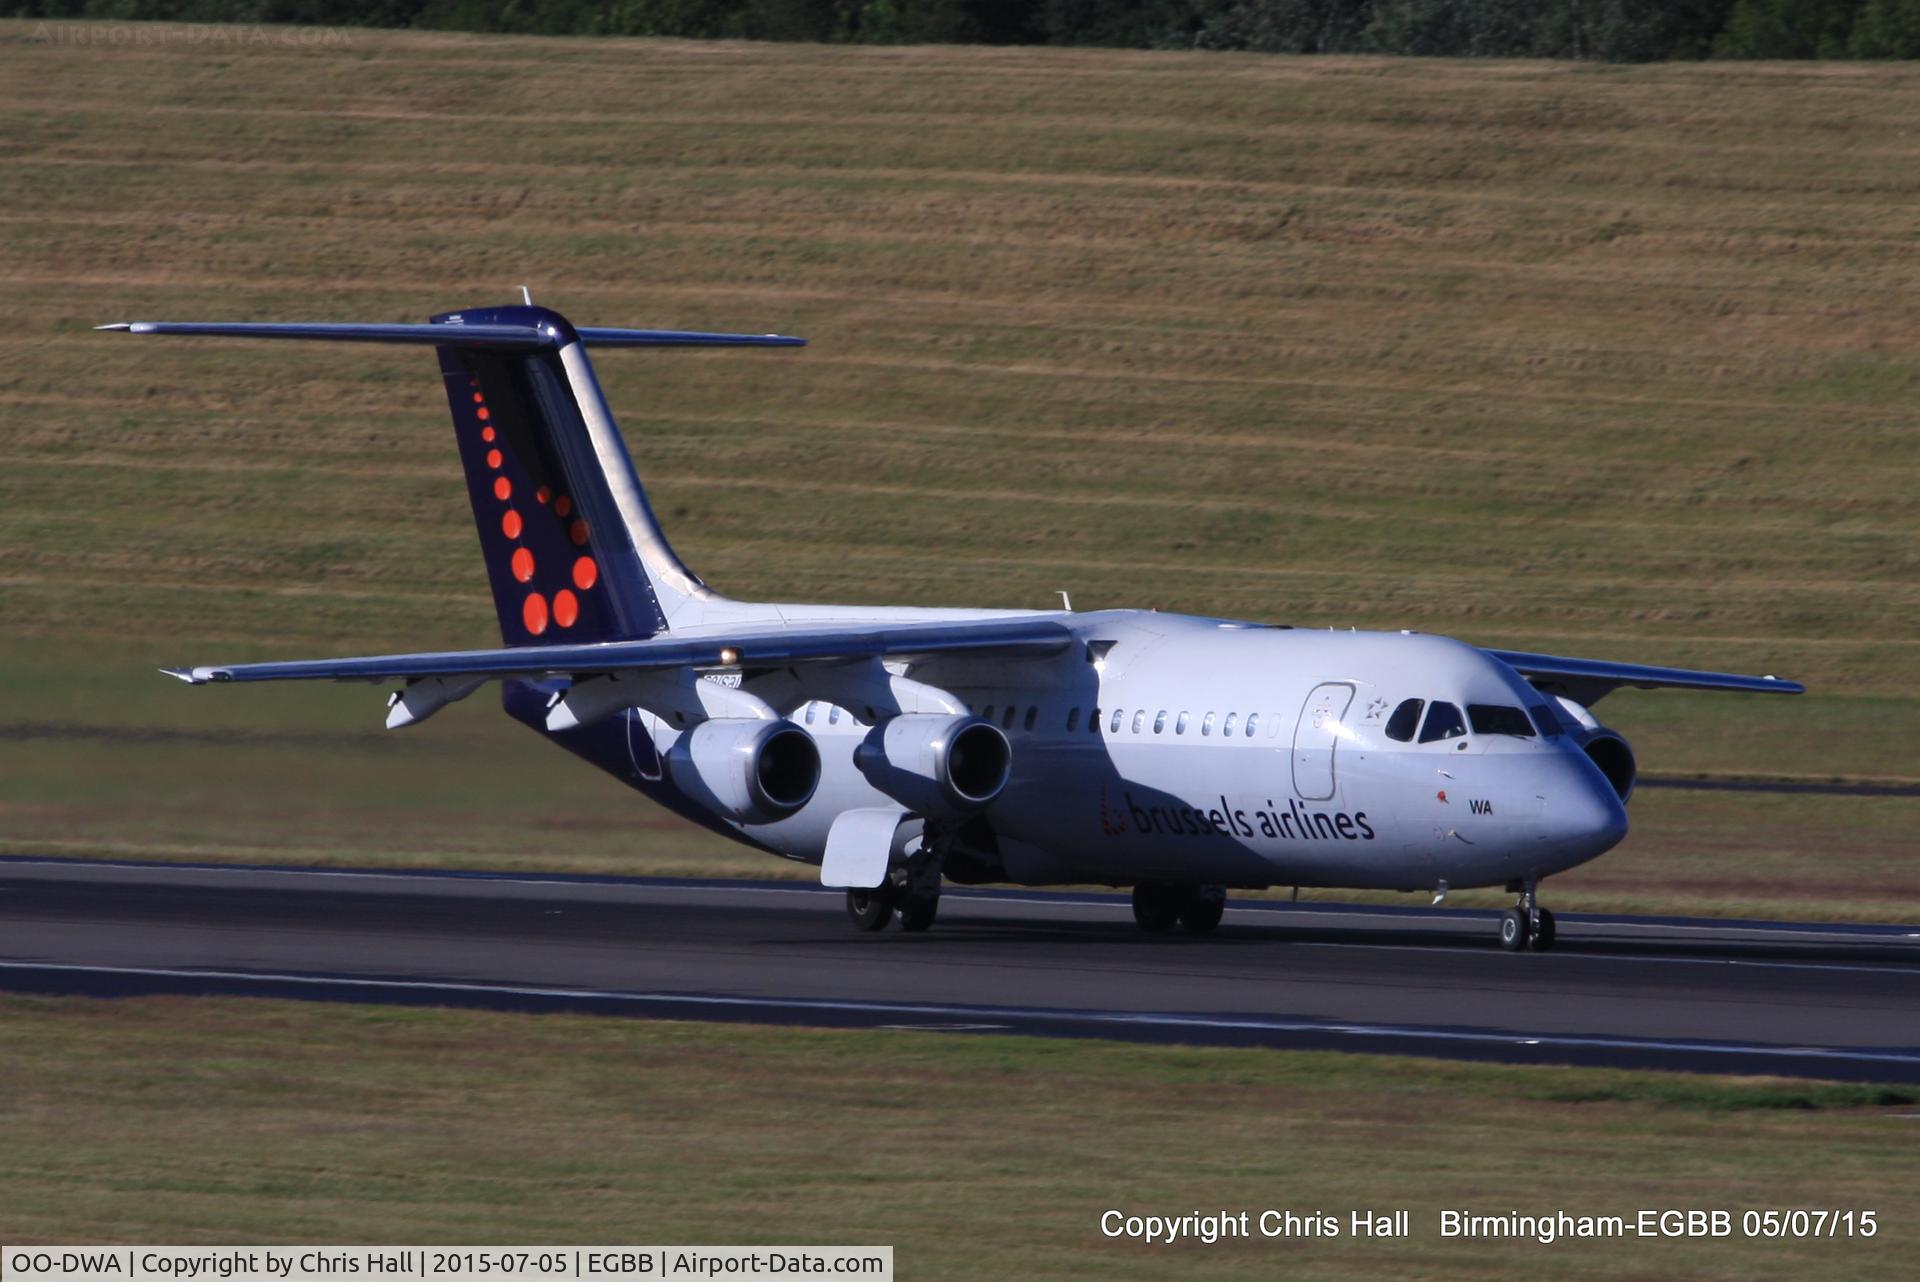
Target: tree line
column 1601, row 30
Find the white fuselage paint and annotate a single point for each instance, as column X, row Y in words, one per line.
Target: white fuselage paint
column 1316, row 795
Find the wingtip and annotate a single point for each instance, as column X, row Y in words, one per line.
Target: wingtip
column 125, row 325
column 182, row 674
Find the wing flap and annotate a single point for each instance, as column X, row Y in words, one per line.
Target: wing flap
column 748, row 647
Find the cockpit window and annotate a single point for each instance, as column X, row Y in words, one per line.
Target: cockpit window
column 1544, row 717
column 1443, row 722
column 1405, row 719
column 1496, row 718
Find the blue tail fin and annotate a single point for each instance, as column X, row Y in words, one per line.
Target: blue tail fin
column 559, row 557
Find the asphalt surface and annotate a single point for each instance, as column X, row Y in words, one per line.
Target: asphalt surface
column 1810, row 1000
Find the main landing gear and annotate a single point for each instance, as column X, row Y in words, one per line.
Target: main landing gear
column 1158, row 906
column 911, row 893
column 1526, row 924
column 875, row 909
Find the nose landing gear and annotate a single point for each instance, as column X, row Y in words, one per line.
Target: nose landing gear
column 1526, row 924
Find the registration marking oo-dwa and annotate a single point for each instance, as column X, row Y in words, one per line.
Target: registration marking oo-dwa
column 901, row 748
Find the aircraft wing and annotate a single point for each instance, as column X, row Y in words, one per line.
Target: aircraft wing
column 749, row 647
column 1587, row 681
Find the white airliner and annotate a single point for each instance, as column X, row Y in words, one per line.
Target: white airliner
column 898, row 748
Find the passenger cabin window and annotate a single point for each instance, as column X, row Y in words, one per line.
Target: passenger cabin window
column 1544, row 717
column 1033, row 715
column 1253, row 723
column 833, row 715
column 1180, row 726
column 1160, row 721
column 1497, row 718
column 1139, row 719
column 1206, row 725
column 1006, row 722
column 1114, row 726
column 1073, row 720
column 1093, row 721
column 1443, row 722
column 1226, row 731
column 987, row 713
column 810, row 711
column 1405, row 720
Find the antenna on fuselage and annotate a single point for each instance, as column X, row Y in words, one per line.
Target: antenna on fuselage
column 1065, row 603
column 526, row 296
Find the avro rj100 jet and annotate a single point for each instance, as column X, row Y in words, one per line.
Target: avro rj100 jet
column 900, row 748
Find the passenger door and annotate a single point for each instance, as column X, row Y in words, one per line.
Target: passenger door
column 640, row 748
column 1317, row 737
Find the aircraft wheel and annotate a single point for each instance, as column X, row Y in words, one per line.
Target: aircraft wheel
column 1542, row 932
column 1156, row 907
column 1201, row 915
column 917, row 913
column 871, row 909
column 1513, row 930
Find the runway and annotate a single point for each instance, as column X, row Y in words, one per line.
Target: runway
column 1808, row 1000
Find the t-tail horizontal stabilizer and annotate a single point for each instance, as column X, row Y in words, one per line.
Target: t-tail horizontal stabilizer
column 573, row 552
column 452, row 333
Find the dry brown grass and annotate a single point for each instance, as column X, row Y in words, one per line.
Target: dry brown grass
column 248, row 1121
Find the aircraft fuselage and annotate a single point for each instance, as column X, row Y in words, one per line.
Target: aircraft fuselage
column 1190, row 749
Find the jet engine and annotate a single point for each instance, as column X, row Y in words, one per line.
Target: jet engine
column 940, row 766
column 751, row 770
column 1605, row 747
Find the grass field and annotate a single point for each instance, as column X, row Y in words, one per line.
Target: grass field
column 245, row 1121
column 1614, row 361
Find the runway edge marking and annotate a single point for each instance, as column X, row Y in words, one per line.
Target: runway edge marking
column 1087, row 899
column 1120, row 1021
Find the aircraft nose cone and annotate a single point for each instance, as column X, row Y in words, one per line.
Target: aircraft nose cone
column 1587, row 817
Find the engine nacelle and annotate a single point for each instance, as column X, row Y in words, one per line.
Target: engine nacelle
column 751, row 770
column 1614, row 756
column 1606, row 748
column 939, row 766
